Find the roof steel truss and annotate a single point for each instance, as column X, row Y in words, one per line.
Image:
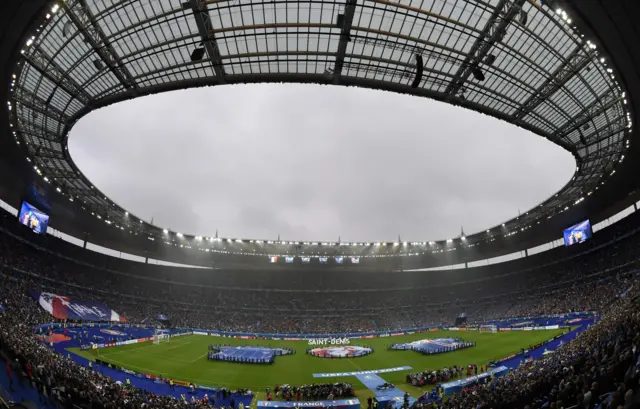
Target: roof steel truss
column 140, row 47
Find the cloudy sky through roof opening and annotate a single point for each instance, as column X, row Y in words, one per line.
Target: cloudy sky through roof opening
column 313, row 162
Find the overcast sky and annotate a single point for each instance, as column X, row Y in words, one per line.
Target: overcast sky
column 314, row 163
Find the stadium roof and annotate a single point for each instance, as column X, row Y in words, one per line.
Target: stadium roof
column 517, row 60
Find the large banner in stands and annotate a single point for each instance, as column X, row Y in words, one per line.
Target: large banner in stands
column 456, row 386
column 338, row 404
column 62, row 307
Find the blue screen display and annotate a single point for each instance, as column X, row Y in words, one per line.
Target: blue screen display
column 578, row 233
column 33, row 218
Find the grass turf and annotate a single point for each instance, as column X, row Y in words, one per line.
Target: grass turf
column 185, row 358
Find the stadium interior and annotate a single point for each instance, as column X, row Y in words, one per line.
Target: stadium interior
column 101, row 309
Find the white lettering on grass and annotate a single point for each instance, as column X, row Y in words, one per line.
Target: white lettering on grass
column 329, row 341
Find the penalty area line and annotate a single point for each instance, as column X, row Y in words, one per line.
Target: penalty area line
column 200, row 357
column 354, row 364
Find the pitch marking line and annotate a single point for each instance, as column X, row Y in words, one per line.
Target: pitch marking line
column 354, row 364
column 179, row 346
column 200, row 357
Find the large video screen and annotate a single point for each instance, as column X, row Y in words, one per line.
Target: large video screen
column 33, row 218
column 578, row 233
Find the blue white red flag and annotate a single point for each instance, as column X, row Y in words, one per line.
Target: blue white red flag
column 62, row 307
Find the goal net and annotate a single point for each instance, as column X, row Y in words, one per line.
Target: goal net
column 161, row 337
column 488, row 328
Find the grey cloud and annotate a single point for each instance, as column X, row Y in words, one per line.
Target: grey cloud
column 314, row 163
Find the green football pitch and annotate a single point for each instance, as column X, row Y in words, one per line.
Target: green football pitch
column 185, row 358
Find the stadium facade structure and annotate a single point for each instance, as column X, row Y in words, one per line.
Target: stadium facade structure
column 565, row 70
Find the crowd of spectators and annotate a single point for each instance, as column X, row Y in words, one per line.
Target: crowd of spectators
column 429, row 377
column 602, row 359
column 583, row 282
column 55, row 376
column 322, row 391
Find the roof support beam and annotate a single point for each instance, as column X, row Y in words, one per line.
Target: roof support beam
column 601, row 154
column 58, row 173
column 205, row 28
column 44, row 152
column 493, row 32
column 31, row 100
column 598, row 107
column 612, row 129
column 81, row 16
column 36, row 129
column 604, row 152
column 346, row 22
column 575, row 62
column 39, row 60
column 44, row 135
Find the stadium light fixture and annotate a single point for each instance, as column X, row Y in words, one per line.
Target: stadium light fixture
column 478, row 74
column 55, row 8
column 449, row 240
column 165, row 231
column 126, row 213
column 66, row 29
column 179, row 234
column 523, row 17
column 463, row 238
column 197, row 54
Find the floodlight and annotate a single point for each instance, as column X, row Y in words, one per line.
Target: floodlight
column 197, row 54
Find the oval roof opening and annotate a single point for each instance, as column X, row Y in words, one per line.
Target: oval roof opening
column 310, row 162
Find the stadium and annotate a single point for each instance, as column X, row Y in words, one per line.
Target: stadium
column 538, row 311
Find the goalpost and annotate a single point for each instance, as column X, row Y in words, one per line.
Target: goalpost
column 489, row 328
column 161, row 336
